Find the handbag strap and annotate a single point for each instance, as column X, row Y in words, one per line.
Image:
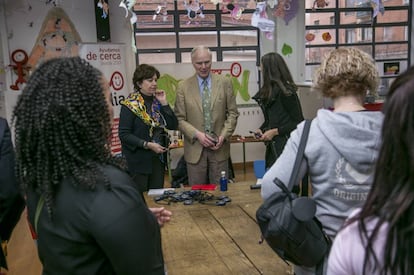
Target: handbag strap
column 39, row 207
column 299, row 155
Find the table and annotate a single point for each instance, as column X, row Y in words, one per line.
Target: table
column 208, row 239
column 243, row 141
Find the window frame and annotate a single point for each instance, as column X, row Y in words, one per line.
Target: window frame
column 363, row 25
column 176, row 30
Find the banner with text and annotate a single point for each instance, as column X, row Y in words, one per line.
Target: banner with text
column 110, row 60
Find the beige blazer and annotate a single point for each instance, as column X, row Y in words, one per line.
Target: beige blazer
column 189, row 111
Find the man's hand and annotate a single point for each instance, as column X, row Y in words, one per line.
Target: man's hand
column 219, row 143
column 206, row 140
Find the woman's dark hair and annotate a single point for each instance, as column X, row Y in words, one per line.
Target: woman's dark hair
column 276, row 73
column 391, row 198
column 63, row 127
column 142, row 72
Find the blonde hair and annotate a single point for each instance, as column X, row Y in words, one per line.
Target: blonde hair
column 346, row 71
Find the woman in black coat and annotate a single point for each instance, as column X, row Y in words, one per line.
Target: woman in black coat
column 144, row 119
column 280, row 106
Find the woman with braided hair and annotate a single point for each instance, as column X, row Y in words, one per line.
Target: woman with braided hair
column 87, row 212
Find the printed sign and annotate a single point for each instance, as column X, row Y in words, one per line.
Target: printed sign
column 110, row 59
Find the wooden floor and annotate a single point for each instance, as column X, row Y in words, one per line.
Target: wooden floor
column 22, row 252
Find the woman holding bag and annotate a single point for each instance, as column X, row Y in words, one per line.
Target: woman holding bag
column 343, row 144
column 280, row 106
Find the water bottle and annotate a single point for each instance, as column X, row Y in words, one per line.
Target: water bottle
column 223, row 181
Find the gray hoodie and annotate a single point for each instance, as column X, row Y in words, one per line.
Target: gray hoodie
column 341, row 152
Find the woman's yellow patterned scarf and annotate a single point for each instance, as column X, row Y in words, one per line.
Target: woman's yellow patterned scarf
column 135, row 102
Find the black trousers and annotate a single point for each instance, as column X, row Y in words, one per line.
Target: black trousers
column 153, row 180
column 274, row 149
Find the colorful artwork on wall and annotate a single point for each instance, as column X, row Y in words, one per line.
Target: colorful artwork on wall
column 102, row 20
column 57, row 37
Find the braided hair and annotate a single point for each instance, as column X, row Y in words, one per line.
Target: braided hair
column 63, row 127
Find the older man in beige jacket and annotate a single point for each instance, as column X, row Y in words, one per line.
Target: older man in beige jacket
column 207, row 127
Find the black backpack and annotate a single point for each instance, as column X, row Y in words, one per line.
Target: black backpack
column 288, row 224
column 179, row 175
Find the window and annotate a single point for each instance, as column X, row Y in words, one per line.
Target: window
column 364, row 9
column 387, row 33
column 406, row 34
column 349, row 4
column 350, row 36
column 365, row 34
column 385, row 36
column 316, row 23
column 166, row 32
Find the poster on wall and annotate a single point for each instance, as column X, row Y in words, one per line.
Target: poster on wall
column 58, row 37
column 244, row 76
column 110, row 59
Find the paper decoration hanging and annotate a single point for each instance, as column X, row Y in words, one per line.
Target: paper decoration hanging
column 286, row 9
column 260, row 20
column 57, row 38
column 377, row 6
column 309, row 37
column 103, row 31
column 161, row 10
column 319, row 4
column 194, row 9
column 234, row 9
column 103, row 5
column 127, row 5
column 326, row 36
column 286, row 49
column 20, row 58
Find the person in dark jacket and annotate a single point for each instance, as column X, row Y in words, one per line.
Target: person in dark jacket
column 87, row 211
column 143, row 122
column 11, row 200
column 280, row 105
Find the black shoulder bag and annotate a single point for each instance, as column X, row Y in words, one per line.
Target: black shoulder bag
column 288, row 222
